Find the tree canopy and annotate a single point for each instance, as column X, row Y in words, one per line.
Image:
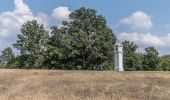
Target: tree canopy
column 132, row 60
column 32, row 44
column 151, row 59
column 84, row 42
column 6, row 56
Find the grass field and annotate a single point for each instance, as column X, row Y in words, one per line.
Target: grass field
column 83, row 85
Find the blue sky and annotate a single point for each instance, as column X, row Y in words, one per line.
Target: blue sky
column 146, row 22
column 113, row 10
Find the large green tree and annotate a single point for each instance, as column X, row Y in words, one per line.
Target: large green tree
column 131, row 59
column 85, row 42
column 32, row 44
column 150, row 59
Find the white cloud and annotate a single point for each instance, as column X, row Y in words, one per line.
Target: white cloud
column 61, row 13
column 138, row 21
column 21, row 7
column 161, row 43
column 147, row 39
column 11, row 21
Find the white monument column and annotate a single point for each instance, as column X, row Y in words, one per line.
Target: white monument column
column 118, row 57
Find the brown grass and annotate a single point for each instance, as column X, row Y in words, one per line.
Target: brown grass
column 83, row 85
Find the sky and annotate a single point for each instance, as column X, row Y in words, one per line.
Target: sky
column 145, row 22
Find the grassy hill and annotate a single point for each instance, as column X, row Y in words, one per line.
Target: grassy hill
column 83, row 85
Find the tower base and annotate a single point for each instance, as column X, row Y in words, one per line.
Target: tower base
column 118, row 69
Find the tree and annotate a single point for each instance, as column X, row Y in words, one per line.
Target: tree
column 131, row 59
column 32, row 44
column 150, row 59
column 164, row 63
column 87, row 42
column 6, row 56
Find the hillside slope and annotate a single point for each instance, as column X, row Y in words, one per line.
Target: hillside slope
column 83, row 85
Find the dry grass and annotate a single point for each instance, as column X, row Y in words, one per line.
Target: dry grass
column 83, row 85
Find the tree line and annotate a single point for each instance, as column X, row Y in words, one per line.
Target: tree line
column 85, row 42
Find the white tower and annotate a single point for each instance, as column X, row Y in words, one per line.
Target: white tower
column 118, row 56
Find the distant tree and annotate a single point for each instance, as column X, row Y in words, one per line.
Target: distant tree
column 150, row 59
column 32, row 44
column 164, row 63
column 131, row 60
column 13, row 63
column 6, row 56
column 84, row 42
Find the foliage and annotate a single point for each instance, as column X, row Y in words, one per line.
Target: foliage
column 58, row 50
column 6, row 56
column 164, row 63
column 84, row 42
column 150, row 59
column 32, row 43
column 131, row 60
column 13, row 63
